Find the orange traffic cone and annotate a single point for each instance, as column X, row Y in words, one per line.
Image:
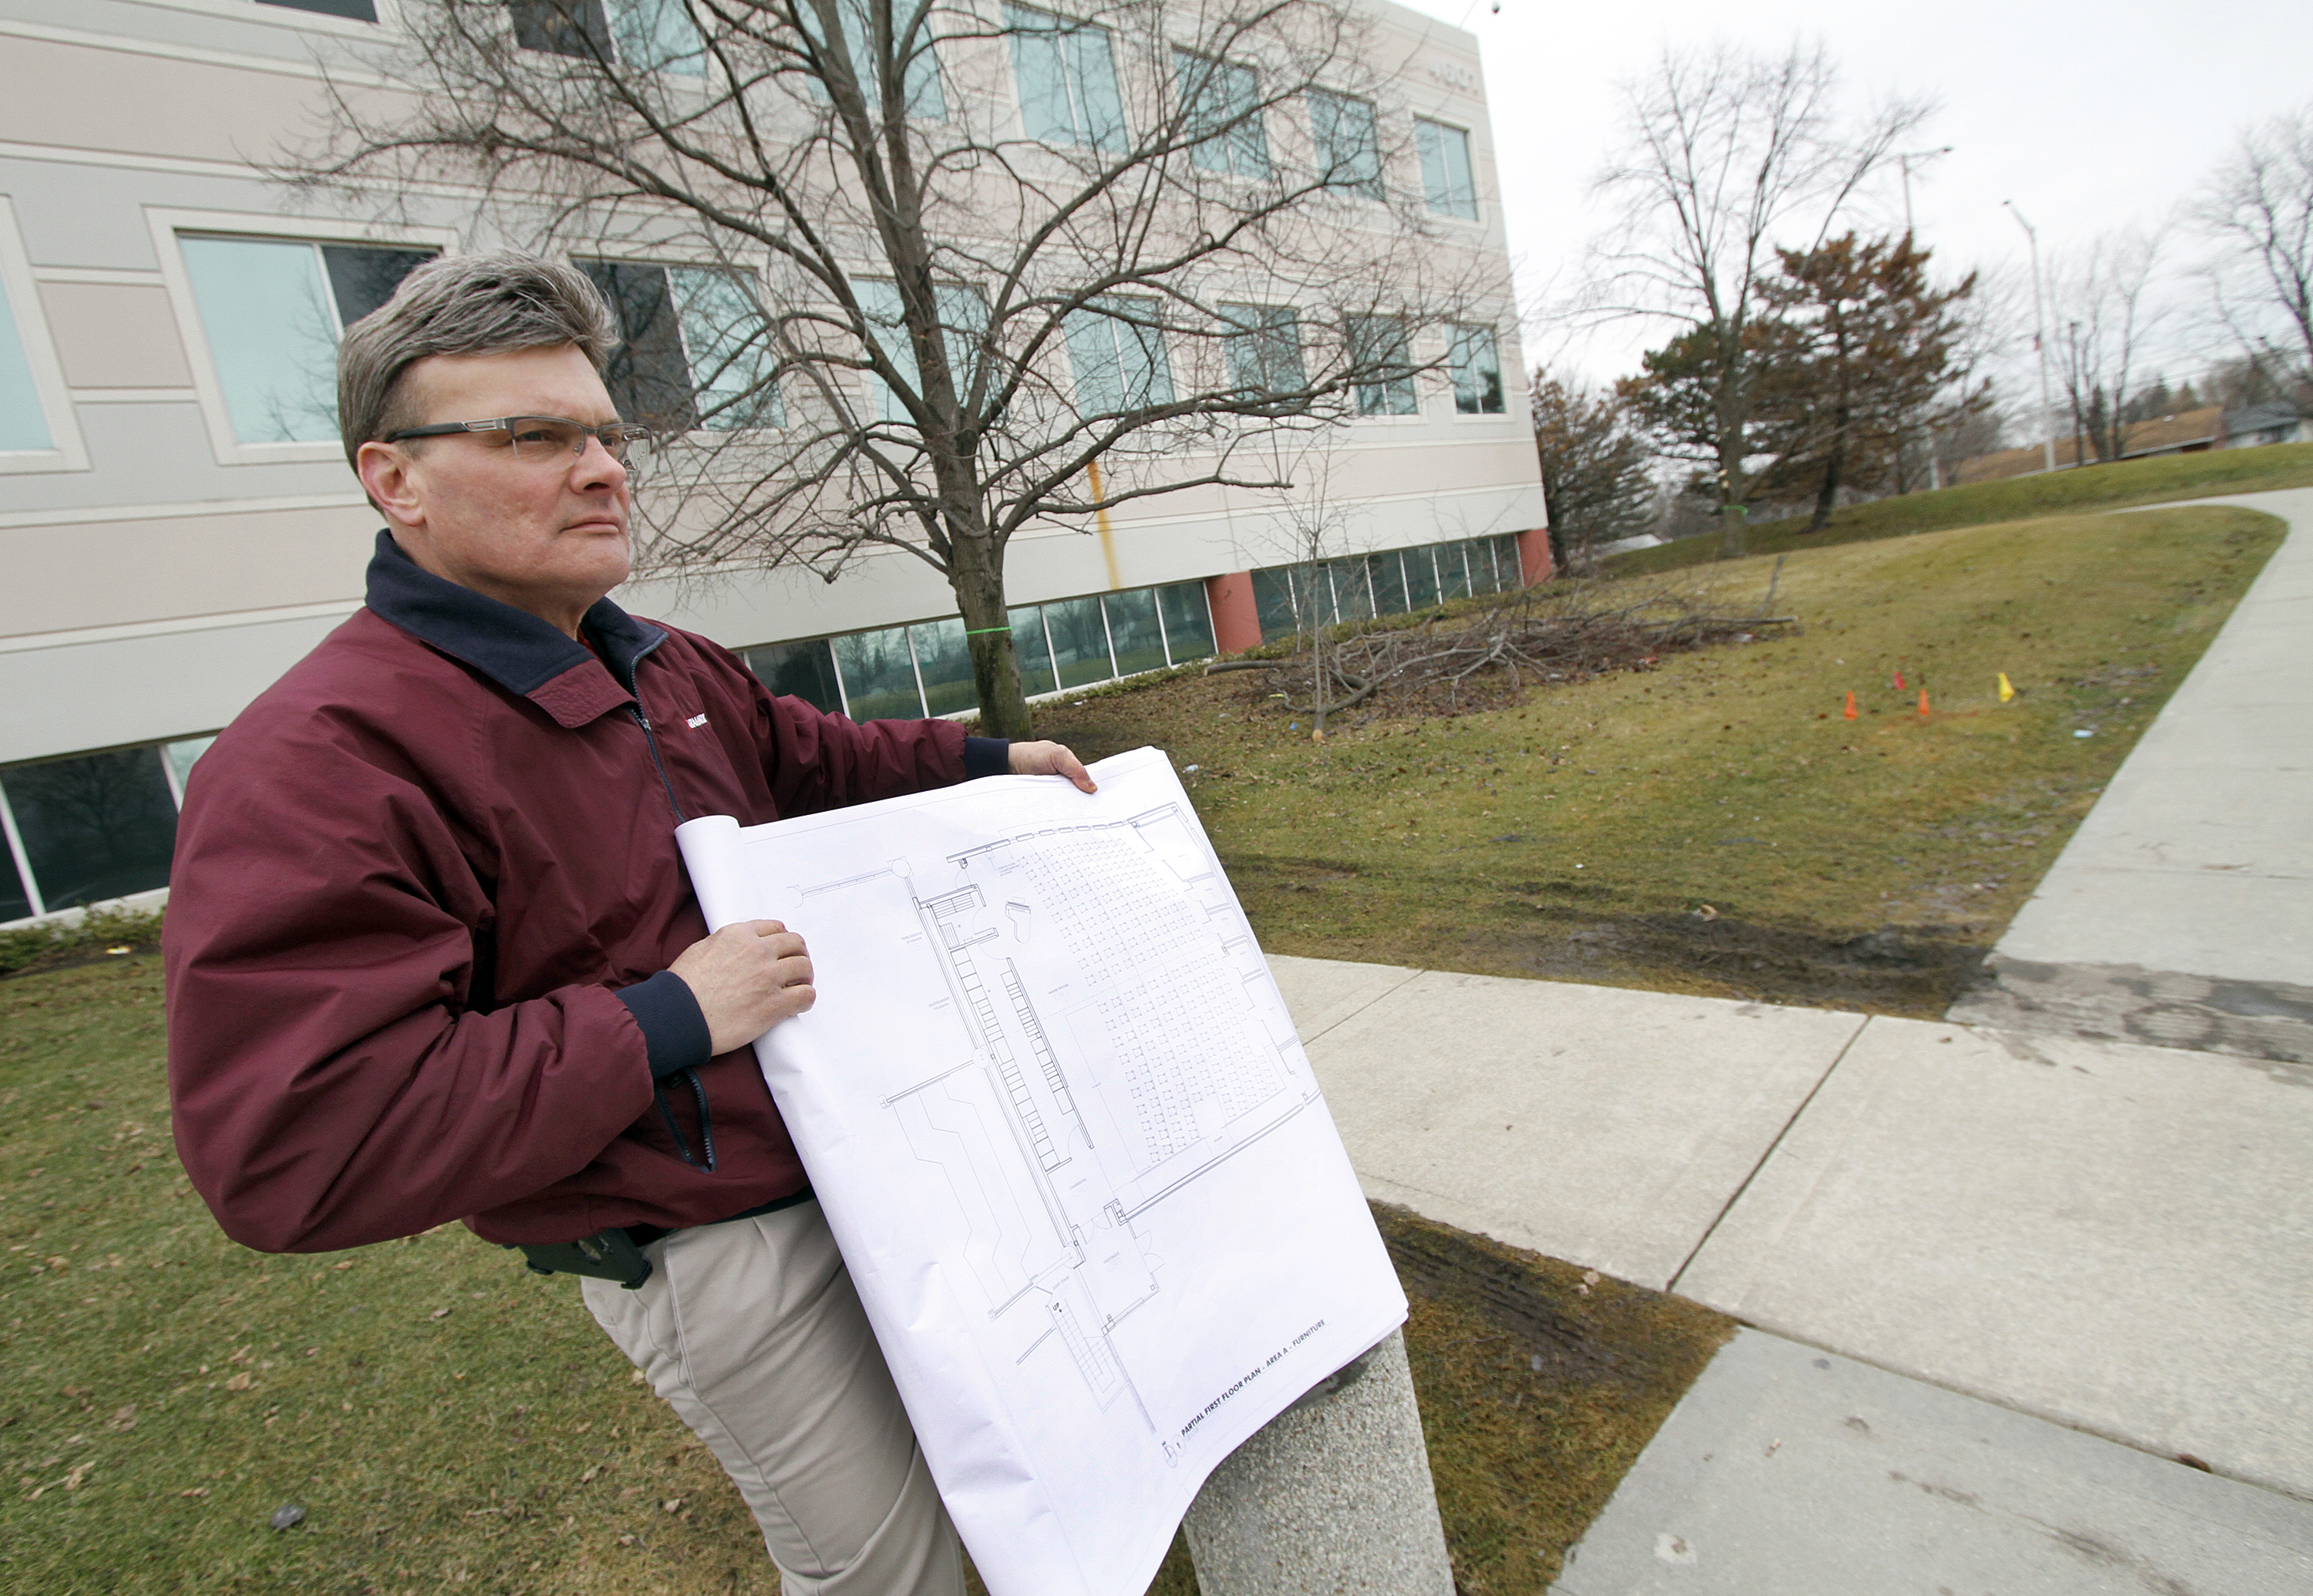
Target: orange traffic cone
column 1851, row 706
column 1923, row 703
column 1899, row 678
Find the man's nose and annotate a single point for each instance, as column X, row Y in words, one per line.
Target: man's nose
column 598, row 467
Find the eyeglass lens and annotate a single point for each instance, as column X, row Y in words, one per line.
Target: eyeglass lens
column 540, row 438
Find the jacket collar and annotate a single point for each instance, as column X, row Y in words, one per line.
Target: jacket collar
column 513, row 647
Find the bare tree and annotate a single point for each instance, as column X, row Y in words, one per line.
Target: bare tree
column 1726, row 156
column 2258, row 208
column 2107, row 315
column 974, row 267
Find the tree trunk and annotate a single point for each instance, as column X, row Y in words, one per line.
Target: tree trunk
column 977, row 574
column 1834, row 464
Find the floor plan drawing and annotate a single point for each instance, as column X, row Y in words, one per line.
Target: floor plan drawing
column 1060, row 1121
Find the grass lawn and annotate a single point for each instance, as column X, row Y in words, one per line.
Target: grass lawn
column 2092, row 488
column 1714, row 824
column 447, row 1420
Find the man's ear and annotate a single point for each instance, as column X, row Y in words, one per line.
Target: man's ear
column 384, row 473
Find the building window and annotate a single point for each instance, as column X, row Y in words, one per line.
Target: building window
column 693, row 351
column 23, row 423
column 1079, row 636
column 1477, row 370
column 1118, row 353
column 1445, row 182
column 100, row 826
column 924, row 95
column 878, row 671
column 1378, row 346
column 654, row 35
column 272, row 310
column 804, row 670
column 1066, row 75
column 1348, row 144
column 943, row 667
column 1188, row 614
column 1220, row 106
column 964, row 326
column 359, row 11
column 1264, row 351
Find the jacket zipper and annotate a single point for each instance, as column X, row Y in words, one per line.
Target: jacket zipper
column 651, row 738
column 698, row 1091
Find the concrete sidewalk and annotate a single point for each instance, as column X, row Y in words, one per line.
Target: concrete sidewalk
column 2182, row 911
column 2060, row 1251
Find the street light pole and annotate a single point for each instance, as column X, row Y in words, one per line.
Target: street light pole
column 1904, row 160
column 2039, row 342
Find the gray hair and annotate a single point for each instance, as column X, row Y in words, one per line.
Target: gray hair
column 461, row 305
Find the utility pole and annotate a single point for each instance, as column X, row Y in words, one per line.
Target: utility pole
column 2039, row 342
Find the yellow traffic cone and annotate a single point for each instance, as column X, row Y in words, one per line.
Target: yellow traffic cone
column 2007, row 688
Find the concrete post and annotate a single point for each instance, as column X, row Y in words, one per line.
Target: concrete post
column 1333, row 1498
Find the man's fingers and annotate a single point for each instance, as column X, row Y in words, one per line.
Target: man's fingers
column 1051, row 759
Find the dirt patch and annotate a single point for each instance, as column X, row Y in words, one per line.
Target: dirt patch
column 1540, row 1383
column 1910, row 970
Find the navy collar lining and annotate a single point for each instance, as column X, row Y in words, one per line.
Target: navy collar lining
column 513, row 647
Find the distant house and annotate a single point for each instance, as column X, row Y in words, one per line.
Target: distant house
column 2266, row 424
column 2187, row 432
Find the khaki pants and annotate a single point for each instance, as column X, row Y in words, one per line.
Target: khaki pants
column 753, row 1332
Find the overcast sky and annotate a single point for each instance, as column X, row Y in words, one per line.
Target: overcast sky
column 2088, row 117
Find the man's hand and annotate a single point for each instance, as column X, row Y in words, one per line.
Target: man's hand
column 1050, row 759
column 747, row 977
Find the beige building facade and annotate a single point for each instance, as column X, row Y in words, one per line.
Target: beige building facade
column 175, row 532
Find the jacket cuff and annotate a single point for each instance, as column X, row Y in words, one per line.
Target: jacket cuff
column 673, row 1026
column 987, row 756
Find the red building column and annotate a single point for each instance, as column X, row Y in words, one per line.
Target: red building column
column 1236, row 620
column 1533, row 555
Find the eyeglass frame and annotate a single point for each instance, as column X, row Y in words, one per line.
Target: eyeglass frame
column 630, row 433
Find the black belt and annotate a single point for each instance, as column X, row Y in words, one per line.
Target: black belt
column 616, row 1253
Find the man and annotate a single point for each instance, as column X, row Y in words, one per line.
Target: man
column 432, row 954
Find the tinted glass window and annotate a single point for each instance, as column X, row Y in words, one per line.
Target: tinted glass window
column 1079, row 641
column 944, row 663
column 1477, row 371
column 14, row 904
column 22, row 424
column 657, row 35
column 360, row 11
column 879, row 675
column 1421, row 578
column 1445, row 182
column 964, row 322
column 1133, row 631
column 1275, row 599
column 647, row 376
column 1264, row 356
column 1034, row 653
column 1453, row 570
column 1378, row 345
column 564, row 27
column 805, row 670
column 272, row 310
column 1118, row 356
column 1352, row 599
column 98, row 826
column 1066, row 75
column 1222, row 98
column 1188, row 621
column 361, row 280
column 731, row 365
column 921, row 76
column 1349, row 147
column 1387, row 578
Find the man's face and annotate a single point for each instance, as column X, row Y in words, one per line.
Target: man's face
column 547, row 536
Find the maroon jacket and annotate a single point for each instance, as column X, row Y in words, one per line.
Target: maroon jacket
column 424, row 896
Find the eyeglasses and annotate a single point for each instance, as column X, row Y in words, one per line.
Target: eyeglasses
column 539, row 440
